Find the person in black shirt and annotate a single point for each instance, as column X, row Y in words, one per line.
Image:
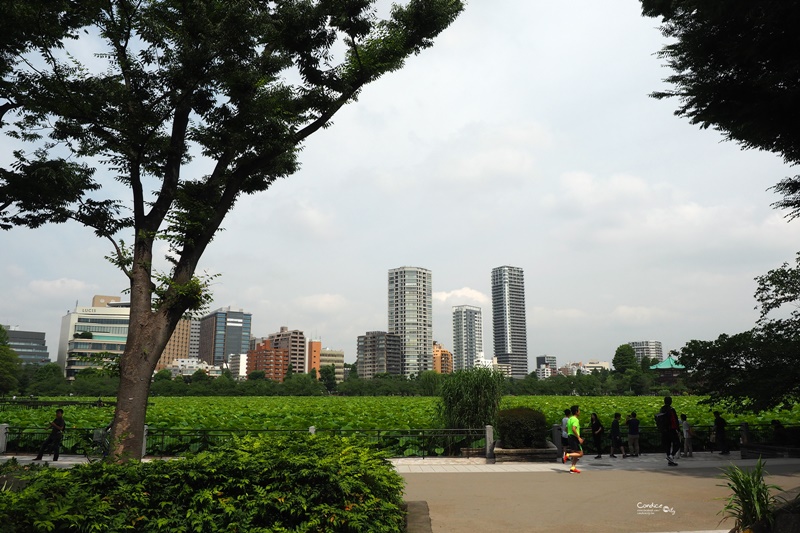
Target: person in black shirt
column 670, row 436
column 719, row 434
column 54, row 439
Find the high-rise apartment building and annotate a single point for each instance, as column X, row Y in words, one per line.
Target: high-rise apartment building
column 379, row 352
column 224, row 332
column 294, row 341
column 179, row 345
column 442, row 359
column 313, row 361
column 328, row 357
column 411, row 317
column 467, row 336
column 650, row 349
column 508, row 319
column 274, row 362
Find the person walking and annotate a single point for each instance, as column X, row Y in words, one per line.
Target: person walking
column 719, row 434
column 633, row 434
column 53, row 441
column 597, row 435
column 667, row 423
column 616, row 437
column 575, row 440
column 688, row 433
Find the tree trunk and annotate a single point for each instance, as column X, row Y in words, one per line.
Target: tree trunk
column 147, row 336
column 148, row 333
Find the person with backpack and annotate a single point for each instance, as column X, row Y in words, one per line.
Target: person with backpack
column 667, row 423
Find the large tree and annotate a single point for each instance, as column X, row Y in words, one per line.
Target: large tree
column 757, row 369
column 735, row 69
column 236, row 85
column 624, row 359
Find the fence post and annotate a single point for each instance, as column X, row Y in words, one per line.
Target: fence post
column 144, row 441
column 312, row 430
column 744, row 433
column 489, row 442
column 3, row 437
column 557, row 438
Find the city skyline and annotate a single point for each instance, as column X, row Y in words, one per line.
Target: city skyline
column 536, row 145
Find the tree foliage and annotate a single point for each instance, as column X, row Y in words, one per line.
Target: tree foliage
column 735, row 70
column 755, row 370
column 327, row 374
column 625, row 359
column 99, row 94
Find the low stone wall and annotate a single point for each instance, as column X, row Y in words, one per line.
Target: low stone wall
column 768, row 451
column 530, row 455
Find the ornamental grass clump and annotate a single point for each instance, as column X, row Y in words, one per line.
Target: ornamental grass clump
column 256, row 484
column 470, row 399
column 751, row 501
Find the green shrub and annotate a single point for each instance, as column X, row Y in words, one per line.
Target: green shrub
column 522, row 427
column 257, row 484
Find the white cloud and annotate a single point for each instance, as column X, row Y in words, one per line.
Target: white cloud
column 462, row 296
column 322, row 303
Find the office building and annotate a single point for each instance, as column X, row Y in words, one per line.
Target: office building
column 546, row 360
column 467, row 336
column 508, row 319
column 295, row 342
column 442, row 359
column 224, row 332
column 30, row 346
column 379, row 352
column 88, row 331
column 411, row 317
column 649, row 349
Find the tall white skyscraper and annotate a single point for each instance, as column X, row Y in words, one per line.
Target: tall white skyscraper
column 467, row 336
column 411, row 316
column 508, row 319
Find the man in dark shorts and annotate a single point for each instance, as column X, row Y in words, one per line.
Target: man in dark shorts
column 575, row 440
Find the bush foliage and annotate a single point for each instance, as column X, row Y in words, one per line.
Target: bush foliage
column 277, row 484
column 522, row 427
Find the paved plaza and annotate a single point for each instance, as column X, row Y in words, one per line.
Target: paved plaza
column 637, row 494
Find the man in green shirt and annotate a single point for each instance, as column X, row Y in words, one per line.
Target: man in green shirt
column 574, row 440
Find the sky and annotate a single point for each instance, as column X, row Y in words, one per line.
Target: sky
column 526, row 137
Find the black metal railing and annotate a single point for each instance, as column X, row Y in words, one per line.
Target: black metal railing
column 171, row 442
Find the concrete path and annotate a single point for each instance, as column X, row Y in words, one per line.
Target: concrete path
column 609, row 495
column 633, row 495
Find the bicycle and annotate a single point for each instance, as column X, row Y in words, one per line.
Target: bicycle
column 97, row 446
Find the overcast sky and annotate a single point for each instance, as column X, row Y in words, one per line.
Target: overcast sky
column 524, row 137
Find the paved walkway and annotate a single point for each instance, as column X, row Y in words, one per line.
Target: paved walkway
column 639, row 494
column 633, row 495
